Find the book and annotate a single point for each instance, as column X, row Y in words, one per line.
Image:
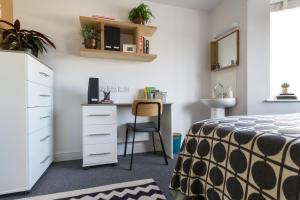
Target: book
column 287, row 94
column 147, row 46
column 149, row 92
column 141, row 44
column 287, row 97
column 107, row 102
column 144, row 45
column 103, row 17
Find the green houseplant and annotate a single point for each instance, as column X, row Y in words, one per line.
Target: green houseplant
column 141, row 14
column 15, row 38
column 90, row 35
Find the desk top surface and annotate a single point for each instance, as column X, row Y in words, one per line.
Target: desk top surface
column 119, row 104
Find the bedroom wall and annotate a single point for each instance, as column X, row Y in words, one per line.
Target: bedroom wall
column 258, row 56
column 221, row 18
column 181, row 69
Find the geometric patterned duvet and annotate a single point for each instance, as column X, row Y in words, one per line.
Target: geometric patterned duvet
column 249, row 158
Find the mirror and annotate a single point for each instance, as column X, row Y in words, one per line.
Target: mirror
column 225, row 52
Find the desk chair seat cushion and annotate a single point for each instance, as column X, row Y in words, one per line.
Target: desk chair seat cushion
column 143, row 127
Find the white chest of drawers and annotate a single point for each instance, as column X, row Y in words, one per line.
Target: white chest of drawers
column 26, row 145
column 99, row 134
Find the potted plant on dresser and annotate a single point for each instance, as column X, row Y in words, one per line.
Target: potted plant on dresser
column 141, row 14
column 15, row 38
column 90, row 35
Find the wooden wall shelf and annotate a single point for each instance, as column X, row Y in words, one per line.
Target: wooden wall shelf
column 135, row 30
column 97, row 53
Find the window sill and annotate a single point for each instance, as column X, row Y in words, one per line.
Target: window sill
column 282, row 101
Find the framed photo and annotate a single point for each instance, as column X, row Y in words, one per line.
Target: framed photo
column 129, row 48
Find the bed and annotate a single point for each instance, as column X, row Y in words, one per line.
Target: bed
column 251, row 158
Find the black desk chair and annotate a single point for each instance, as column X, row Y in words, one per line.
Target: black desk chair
column 145, row 108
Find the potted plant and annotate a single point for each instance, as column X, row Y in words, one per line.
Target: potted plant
column 141, row 14
column 15, row 38
column 285, row 88
column 90, row 36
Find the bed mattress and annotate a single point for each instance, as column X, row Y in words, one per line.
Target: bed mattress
column 251, row 158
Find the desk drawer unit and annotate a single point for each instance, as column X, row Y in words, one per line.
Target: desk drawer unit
column 99, row 133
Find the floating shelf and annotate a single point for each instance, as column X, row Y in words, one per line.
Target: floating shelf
column 129, row 27
column 135, row 31
column 97, row 53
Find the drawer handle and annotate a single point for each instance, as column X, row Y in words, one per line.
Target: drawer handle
column 45, row 138
column 99, row 154
column 43, row 161
column 45, row 95
column 45, row 117
column 44, row 74
column 100, row 134
column 100, row 115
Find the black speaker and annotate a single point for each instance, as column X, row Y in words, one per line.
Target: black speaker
column 112, row 38
column 93, row 91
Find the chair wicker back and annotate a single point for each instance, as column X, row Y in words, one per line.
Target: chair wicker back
column 147, row 108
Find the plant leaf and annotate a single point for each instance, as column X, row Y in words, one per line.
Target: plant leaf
column 17, row 25
column 6, row 22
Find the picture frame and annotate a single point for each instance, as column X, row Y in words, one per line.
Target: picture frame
column 129, row 48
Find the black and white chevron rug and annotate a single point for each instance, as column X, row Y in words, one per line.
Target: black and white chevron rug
column 136, row 190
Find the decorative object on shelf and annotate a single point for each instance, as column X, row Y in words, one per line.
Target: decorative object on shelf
column 90, row 35
column 141, row 14
column 106, row 99
column 285, row 95
column 129, row 48
column 112, row 38
column 285, row 88
column 161, row 96
column 15, row 38
column 103, row 17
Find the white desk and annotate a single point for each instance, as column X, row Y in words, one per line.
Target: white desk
column 123, row 115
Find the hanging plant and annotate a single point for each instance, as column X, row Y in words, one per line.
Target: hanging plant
column 15, row 38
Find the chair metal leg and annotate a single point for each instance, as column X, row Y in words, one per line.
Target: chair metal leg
column 126, row 140
column 132, row 150
column 153, row 142
column 163, row 148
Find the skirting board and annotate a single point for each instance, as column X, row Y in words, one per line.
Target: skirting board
column 139, row 147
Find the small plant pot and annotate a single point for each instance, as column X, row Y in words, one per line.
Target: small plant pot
column 139, row 21
column 90, row 43
column 285, row 90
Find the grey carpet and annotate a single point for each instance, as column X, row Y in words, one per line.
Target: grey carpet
column 66, row 176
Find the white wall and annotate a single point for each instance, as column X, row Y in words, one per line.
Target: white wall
column 258, row 56
column 221, row 18
column 181, row 43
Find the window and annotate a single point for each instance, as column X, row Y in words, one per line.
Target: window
column 285, row 50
